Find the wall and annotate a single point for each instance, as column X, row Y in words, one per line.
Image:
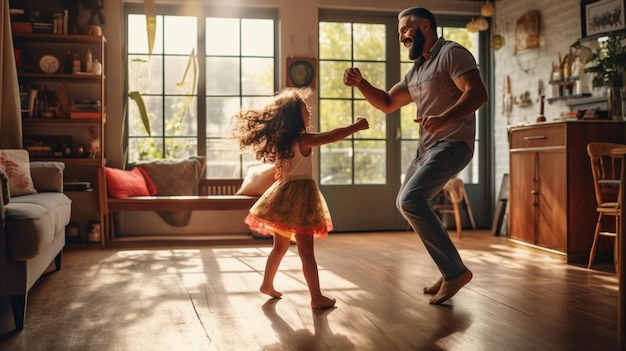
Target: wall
column 560, row 27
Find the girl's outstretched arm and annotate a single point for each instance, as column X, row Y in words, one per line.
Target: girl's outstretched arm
column 311, row 140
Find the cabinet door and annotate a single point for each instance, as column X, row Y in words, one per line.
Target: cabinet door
column 521, row 196
column 552, row 200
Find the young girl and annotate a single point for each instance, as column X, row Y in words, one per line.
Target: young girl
column 293, row 205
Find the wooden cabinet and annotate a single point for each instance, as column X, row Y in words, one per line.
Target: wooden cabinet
column 64, row 110
column 551, row 197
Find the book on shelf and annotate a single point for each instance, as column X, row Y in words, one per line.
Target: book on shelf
column 28, row 101
column 85, row 114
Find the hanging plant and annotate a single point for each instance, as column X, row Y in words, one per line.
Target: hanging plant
column 95, row 7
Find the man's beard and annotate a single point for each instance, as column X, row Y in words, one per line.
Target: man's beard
column 415, row 51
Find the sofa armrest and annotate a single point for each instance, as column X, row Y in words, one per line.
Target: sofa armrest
column 47, row 176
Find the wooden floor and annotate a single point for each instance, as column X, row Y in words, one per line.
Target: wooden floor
column 206, row 298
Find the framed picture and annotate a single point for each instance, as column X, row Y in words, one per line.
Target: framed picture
column 301, row 72
column 598, row 17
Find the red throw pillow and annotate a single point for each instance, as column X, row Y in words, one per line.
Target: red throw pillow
column 121, row 183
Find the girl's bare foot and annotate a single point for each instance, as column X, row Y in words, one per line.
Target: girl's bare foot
column 323, row 303
column 271, row 292
column 450, row 287
column 433, row 289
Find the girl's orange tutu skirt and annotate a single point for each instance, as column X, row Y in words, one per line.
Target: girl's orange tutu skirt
column 291, row 207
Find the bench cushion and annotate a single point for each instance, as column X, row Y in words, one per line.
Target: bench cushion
column 121, row 183
column 175, row 177
column 33, row 220
column 258, row 179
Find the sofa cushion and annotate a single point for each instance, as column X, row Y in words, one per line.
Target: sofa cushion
column 32, row 221
column 15, row 163
column 47, row 176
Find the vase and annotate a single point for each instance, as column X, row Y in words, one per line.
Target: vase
column 615, row 104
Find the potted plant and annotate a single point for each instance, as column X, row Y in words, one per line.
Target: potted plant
column 609, row 66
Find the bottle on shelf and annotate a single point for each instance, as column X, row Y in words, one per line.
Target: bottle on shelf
column 88, row 61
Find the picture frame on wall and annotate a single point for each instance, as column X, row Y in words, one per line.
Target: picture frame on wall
column 598, row 17
column 301, row 72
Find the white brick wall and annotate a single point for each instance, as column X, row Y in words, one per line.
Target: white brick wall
column 559, row 28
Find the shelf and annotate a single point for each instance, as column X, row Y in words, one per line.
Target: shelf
column 72, row 161
column 61, row 76
column 60, row 38
column 564, row 81
column 568, row 97
column 55, row 120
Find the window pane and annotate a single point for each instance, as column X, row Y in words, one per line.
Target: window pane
column 219, row 112
column 180, row 147
column 223, row 160
column 180, row 116
column 366, row 34
column 331, row 82
column 176, row 80
column 180, row 34
column 154, row 108
column 145, row 149
column 334, row 114
column 335, row 41
column 222, row 36
column 410, row 129
column 408, row 152
column 336, row 163
column 253, row 102
column 222, row 76
column 145, row 75
column 257, row 37
column 377, row 120
column 257, row 76
column 137, row 35
column 369, row 162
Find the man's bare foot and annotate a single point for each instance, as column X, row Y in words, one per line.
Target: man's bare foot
column 271, row 292
column 450, row 287
column 433, row 289
column 323, row 303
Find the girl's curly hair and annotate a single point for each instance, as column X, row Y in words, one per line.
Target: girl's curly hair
column 271, row 131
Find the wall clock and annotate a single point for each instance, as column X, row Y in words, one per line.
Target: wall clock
column 49, row 64
column 301, row 72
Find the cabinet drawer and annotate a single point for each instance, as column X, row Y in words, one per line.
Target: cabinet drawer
column 538, row 137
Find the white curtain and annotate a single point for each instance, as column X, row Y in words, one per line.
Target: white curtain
column 10, row 112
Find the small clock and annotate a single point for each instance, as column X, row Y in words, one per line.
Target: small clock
column 49, row 64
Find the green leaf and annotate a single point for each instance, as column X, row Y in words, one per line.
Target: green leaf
column 142, row 110
column 149, row 8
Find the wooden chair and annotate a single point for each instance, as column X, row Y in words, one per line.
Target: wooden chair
column 455, row 197
column 606, row 170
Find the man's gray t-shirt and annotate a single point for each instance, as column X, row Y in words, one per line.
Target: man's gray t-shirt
column 431, row 85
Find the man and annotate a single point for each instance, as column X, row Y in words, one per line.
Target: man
column 446, row 86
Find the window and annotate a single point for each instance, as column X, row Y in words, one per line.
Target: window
column 204, row 67
column 360, row 158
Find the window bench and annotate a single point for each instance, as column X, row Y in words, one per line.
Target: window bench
column 214, row 195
